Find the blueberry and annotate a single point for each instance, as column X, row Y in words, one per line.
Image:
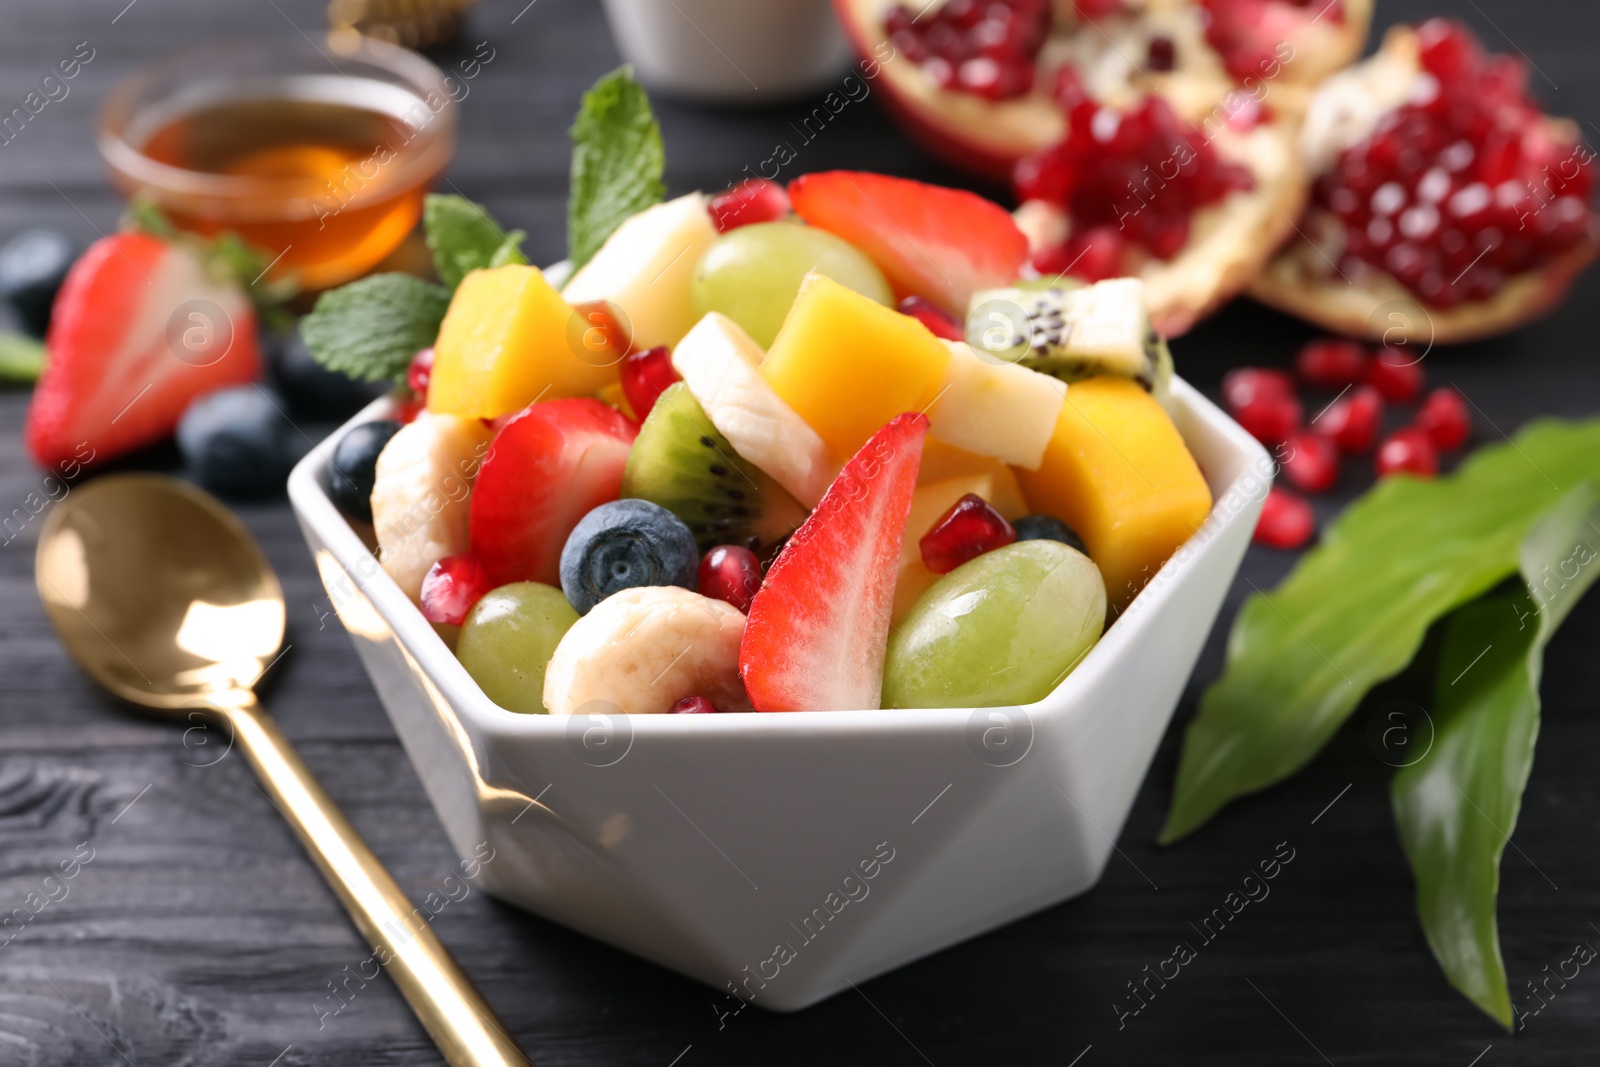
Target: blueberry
column 237, row 441
column 314, row 391
column 32, row 267
column 622, row 545
column 1047, row 528
column 355, row 467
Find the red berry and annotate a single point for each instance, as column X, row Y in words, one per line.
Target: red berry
column 408, row 409
column 1351, row 422
column 1311, row 462
column 645, row 376
column 1407, row 451
column 750, row 201
column 969, row 529
column 1286, row 520
column 731, row 573
column 1444, row 419
column 1329, row 364
column 692, row 706
column 420, row 372
column 1263, row 402
column 451, row 587
column 935, row 318
column 1396, row 375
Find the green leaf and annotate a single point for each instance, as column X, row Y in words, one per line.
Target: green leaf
column 21, row 358
column 371, row 328
column 1355, row 609
column 463, row 237
column 1456, row 807
column 617, row 162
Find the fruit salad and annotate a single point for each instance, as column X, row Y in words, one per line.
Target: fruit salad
column 815, row 448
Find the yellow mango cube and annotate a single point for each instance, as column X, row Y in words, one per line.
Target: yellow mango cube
column 1117, row 471
column 509, row 339
column 847, row 364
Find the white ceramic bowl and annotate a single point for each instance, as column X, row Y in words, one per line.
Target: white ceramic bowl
column 784, row 856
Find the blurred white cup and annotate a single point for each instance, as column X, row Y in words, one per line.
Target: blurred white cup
column 730, row 51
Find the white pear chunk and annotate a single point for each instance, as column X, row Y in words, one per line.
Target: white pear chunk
column 995, row 408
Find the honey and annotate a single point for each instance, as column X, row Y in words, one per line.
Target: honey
column 324, row 172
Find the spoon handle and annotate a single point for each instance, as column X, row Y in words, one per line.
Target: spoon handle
column 461, row 1023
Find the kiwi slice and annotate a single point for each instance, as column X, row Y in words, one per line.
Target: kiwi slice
column 681, row 462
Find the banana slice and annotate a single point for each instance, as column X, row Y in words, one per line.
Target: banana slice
column 642, row 650
column 421, row 492
column 719, row 362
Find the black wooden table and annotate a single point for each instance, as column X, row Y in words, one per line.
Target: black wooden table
column 200, row 934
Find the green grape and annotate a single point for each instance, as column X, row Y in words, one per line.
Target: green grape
column 751, row 274
column 1001, row 629
column 507, row 641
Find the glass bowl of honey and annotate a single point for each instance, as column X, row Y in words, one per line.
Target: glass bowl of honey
column 318, row 158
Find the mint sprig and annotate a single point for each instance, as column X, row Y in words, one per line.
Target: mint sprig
column 617, row 162
column 370, row 329
column 464, row 238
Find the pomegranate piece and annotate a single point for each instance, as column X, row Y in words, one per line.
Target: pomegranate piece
column 984, row 47
column 1331, row 364
column 1352, row 421
column 731, row 573
column 969, row 529
column 1263, row 402
column 748, row 202
column 1396, row 376
column 1286, row 520
column 1408, row 451
column 938, row 321
column 1100, row 173
column 692, row 706
column 1311, row 462
column 1463, row 185
column 419, row 372
column 451, row 587
column 645, row 376
column 1444, row 419
column 1248, row 34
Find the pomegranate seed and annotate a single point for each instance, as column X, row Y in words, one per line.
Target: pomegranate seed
column 451, row 587
column 731, row 573
column 1330, row 364
column 748, row 202
column 987, row 48
column 407, row 410
column 1286, row 520
column 420, row 372
column 1352, row 421
column 1263, row 402
column 1407, row 451
column 1444, row 420
column 969, row 529
column 1161, row 55
column 599, row 333
column 692, row 706
column 1311, row 462
column 1396, row 375
column 645, row 376
column 935, row 318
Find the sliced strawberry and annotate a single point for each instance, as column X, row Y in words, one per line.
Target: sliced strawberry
column 937, row 243
column 137, row 332
column 549, row 466
column 819, row 626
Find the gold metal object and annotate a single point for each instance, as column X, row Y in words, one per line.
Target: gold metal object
column 163, row 597
column 408, row 23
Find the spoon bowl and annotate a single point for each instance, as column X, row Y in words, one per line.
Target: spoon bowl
column 158, row 592
column 163, row 597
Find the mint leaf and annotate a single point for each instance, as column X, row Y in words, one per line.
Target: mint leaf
column 1354, row 610
column 617, row 162
column 463, row 238
column 1455, row 807
column 371, row 328
column 21, row 358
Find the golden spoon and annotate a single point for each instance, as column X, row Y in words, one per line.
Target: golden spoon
column 163, row 597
